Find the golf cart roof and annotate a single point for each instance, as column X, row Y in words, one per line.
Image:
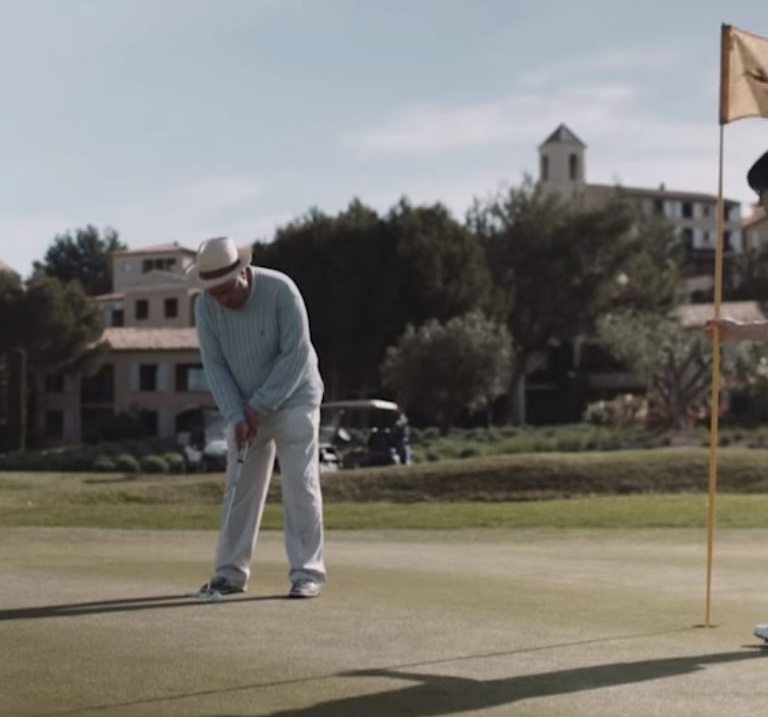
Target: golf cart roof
column 363, row 403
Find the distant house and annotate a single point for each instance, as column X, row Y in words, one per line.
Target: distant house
column 582, row 371
column 562, row 169
column 153, row 370
column 755, row 228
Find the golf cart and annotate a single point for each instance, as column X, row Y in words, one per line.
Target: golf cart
column 382, row 426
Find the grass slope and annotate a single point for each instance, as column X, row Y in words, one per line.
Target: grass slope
column 639, row 489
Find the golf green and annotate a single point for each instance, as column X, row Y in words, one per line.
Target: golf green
column 536, row 622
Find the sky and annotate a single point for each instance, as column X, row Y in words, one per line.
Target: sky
column 178, row 120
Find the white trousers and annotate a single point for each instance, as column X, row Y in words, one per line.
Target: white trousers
column 293, row 434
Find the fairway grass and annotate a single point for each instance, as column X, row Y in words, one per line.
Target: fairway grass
column 20, row 509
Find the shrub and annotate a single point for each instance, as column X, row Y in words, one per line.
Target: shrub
column 175, row 461
column 103, row 463
column 430, row 434
column 126, row 463
column 153, row 464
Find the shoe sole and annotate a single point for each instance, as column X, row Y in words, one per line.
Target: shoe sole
column 303, row 596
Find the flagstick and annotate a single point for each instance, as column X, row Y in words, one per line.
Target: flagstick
column 715, row 406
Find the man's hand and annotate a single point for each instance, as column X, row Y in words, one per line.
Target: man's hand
column 242, row 434
column 252, row 418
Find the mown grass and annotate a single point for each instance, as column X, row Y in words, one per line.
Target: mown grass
column 615, row 512
column 632, row 489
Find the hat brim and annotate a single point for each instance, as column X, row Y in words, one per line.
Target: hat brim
column 193, row 274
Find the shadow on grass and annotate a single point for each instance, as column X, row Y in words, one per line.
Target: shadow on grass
column 446, row 695
column 153, row 602
column 436, row 694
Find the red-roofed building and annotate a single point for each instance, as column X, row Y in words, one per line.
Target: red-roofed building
column 153, row 369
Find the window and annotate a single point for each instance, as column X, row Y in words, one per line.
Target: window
column 118, row 318
column 687, row 237
column 142, row 308
column 573, row 166
column 687, row 210
column 54, row 383
column 171, row 308
column 99, row 387
column 92, row 422
column 658, row 206
column 705, row 210
column 727, row 241
column 190, row 377
column 707, row 237
column 54, row 424
column 544, row 168
column 148, row 265
column 148, row 420
column 127, row 267
column 148, row 377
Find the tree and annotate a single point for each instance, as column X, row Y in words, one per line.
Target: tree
column 50, row 324
column 364, row 278
column 675, row 362
column 84, row 256
column 557, row 267
column 745, row 276
column 439, row 370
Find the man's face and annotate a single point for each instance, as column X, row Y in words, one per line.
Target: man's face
column 231, row 294
column 764, row 198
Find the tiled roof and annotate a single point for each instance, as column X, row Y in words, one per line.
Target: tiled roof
column 693, row 315
column 134, row 338
column 155, row 249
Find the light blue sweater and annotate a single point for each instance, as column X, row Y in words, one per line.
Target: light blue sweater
column 261, row 353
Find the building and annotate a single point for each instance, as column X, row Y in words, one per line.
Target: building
column 582, row 371
column 153, row 369
column 755, row 230
column 150, row 289
column 562, row 169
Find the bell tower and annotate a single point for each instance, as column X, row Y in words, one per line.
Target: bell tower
column 561, row 163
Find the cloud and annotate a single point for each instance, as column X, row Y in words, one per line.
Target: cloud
column 429, row 129
column 605, row 63
column 25, row 239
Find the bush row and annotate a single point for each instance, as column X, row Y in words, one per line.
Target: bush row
column 154, row 456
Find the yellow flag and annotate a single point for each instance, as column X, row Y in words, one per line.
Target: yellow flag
column 744, row 75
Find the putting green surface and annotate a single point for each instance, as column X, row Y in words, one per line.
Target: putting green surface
column 470, row 622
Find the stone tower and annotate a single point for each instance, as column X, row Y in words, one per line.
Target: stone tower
column 561, row 163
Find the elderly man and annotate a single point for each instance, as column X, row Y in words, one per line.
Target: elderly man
column 263, row 372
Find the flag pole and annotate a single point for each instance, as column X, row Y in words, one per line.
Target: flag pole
column 715, row 403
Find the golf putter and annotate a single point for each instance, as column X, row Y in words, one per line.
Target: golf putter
column 242, row 454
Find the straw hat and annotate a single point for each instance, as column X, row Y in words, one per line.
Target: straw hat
column 218, row 260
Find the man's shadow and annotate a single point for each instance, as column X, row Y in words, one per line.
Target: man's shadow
column 435, row 695
column 153, row 602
